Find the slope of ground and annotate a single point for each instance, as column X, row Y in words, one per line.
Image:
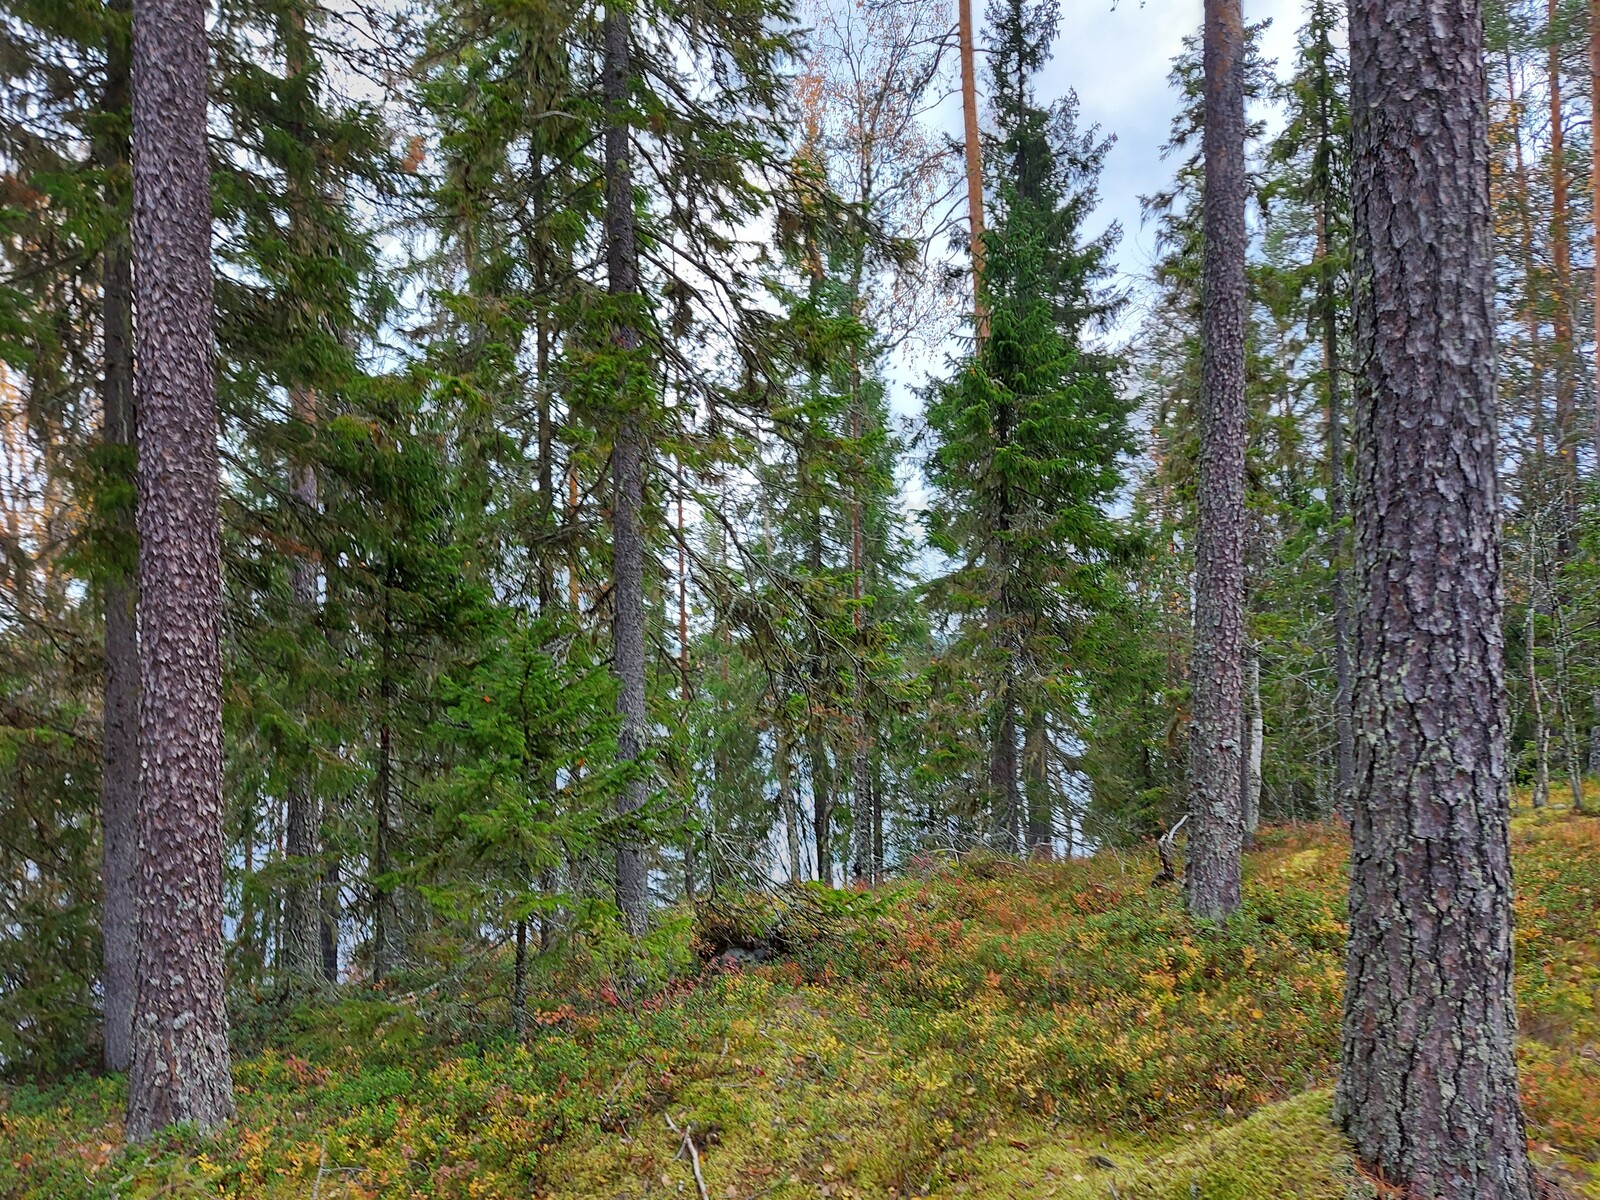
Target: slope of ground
column 988, row 1030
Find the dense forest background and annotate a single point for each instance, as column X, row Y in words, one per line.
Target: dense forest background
column 516, row 608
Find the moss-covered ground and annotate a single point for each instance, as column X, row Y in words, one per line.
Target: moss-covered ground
column 987, row 1029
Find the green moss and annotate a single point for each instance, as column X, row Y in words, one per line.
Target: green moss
column 1286, row 1150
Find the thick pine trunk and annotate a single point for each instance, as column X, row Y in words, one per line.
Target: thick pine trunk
column 1005, row 794
column 1428, row 1080
column 180, row 1067
column 1211, row 878
column 119, row 738
column 627, row 466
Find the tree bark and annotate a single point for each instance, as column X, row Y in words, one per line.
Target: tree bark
column 1428, row 1080
column 1211, row 878
column 627, row 466
column 119, row 737
column 180, row 1066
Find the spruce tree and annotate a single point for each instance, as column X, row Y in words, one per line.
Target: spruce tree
column 1030, row 434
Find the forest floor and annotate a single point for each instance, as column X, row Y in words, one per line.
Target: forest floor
column 991, row 1029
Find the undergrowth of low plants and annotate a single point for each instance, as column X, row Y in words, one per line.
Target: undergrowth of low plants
column 985, row 1028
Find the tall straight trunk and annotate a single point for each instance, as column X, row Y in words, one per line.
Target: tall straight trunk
column 627, row 467
column 860, row 762
column 1594, row 185
column 973, row 150
column 1211, row 879
column 302, row 908
column 1328, row 318
column 1530, row 309
column 1561, row 258
column 1036, row 784
column 385, row 907
column 180, row 1066
column 302, row 901
column 1428, row 1079
column 119, row 737
column 1541, row 729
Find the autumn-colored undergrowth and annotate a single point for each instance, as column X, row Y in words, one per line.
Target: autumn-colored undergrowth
column 986, row 1029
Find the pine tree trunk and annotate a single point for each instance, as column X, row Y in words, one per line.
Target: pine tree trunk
column 627, row 466
column 180, row 1066
column 973, row 152
column 386, row 939
column 1211, row 878
column 119, row 738
column 1428, row 1079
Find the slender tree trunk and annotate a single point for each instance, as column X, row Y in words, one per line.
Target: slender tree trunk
column 302, row 906
column 302, row 916
column 1594, row 184
column 787, row 803
column 821, row 802
column 1337, row 507
column 1428, row 1079
column 627, row 466
column 180, row 1066
column 1530, row 310
column 973, row 149
column 1036, row 784
column 119, row 739
column 1541, row 731
column 1255, row 733
column 1215, row 755
column 519, row 982
column 385, row 909
column 1561, row 256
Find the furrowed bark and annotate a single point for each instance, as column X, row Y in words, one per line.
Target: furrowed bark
column 180, row 1066
column 1211, row 876
column 1428, row 1080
